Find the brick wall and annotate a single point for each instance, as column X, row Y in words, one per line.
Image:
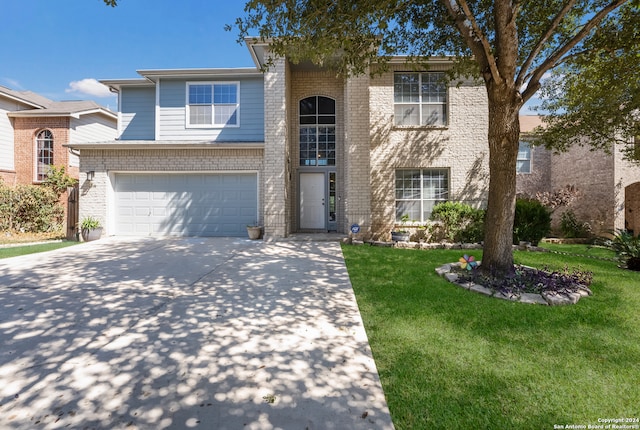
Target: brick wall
column 8, row 177
column 25, row 132
column 357, row 175
column 276, row 160
column 539, row 180
column 592, row 174
column 604, row 182
column 461, row 147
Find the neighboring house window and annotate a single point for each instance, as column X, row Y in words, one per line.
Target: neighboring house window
column 44, row 154
column 317, row 131
column 523, row 164
column 420, row 99
column 418, row 191
column 213, row 104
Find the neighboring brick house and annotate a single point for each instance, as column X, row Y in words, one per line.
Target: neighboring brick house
column 295, row 149
column 34, row 131
column 607, row 186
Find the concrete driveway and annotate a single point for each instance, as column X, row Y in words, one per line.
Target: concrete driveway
column 210, row 333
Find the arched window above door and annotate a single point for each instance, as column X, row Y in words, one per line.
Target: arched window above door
column 44, row 154
column 317, row 131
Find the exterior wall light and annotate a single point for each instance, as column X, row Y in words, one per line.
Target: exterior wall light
column 90, row 175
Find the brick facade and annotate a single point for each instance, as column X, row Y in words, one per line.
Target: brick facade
column 605, row 183
column 371, row 148
column 25, row 132
column 277, row 160
column 461, row 147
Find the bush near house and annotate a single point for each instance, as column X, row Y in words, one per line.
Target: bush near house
column 29, row 208
column 532, row 221
column 572, row 228
column 58, row 180
column 35, row 208
column 460, row 222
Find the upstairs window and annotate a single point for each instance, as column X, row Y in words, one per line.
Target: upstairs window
column 523, row 164
column 213, row 104
column 420, row 99
column 44, row 154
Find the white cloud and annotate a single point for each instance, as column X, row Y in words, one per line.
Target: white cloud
column 13, row 84
column 89, row 86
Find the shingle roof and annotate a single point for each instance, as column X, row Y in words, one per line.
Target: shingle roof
column 43, row 106
column 28, row 97
column 72, row 106
column 529, row 122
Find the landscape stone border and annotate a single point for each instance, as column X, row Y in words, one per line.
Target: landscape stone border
column 546, row 298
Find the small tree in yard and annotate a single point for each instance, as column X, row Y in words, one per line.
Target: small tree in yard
column 509, row 44
column 58, row 180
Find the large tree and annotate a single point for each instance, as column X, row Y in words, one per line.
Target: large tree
column 510, row 44
column 595, row 97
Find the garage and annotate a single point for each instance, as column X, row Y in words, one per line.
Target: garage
column 179, row 204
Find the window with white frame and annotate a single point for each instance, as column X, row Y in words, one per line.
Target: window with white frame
column 418, row 191
column 44, row 154
column 420, row 99
column 213, row 104
column 523, row 164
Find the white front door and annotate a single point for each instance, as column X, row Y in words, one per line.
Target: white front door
column 312, row 204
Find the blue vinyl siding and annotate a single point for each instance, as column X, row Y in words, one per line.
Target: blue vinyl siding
column 138, row 107
column 173, row 114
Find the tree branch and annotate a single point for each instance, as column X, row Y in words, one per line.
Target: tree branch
column 506, row 39
column 473, row 36
column 543, row 39
column 555, row 58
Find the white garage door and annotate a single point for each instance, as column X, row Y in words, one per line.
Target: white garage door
column 185, row 204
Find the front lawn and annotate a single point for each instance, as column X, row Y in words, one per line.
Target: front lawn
column 14, row 251
column 451, row 359
column 580, row 249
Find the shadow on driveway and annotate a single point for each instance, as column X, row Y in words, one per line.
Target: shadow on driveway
column 213, row 333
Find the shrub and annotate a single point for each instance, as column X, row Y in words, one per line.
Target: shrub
column 58, row 180
column 532, row 221
column 627, row 249
column 30, row 208
column 571, row 227
column 460, row 222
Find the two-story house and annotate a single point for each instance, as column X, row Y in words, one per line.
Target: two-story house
column 34, row 131
column 206, row 152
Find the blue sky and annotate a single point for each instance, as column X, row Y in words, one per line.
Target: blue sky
column 60, row 48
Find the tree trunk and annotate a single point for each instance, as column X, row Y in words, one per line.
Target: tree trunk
column 504, row 136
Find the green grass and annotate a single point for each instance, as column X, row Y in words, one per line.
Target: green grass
column 452, row 359
column 15, row 251
column 579, row 249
